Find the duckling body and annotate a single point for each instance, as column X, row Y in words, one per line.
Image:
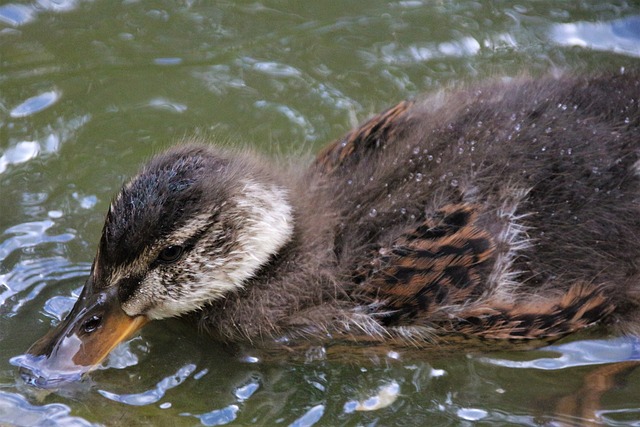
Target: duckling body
column 509, row 211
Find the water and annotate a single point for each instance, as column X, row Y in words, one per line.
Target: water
column 90, row 89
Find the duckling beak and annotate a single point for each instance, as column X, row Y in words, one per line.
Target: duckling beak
column 92, row 329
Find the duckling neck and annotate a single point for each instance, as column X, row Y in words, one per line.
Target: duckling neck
column 268, row 217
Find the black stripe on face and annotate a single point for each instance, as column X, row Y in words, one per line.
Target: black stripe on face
column 131, row 283
column 190, row 242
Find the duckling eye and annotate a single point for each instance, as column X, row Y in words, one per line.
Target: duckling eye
column 92, row 324
column 170, row 254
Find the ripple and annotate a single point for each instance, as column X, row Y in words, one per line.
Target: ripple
column 246, row 391
column 62, row 131
column 619, row 36
column 20, row 153
column 219, row 416
column 155, row 394
column 21, row 14
column 165, row 104
column 16, row 14
column 16, row 410
column 384, row 397
column 35, row 104
column 292, row 115
column 277, row 69
column 310, row 417
column 396, row 54
column 472, row 414
column 32, row 275
column 578, row 353
column 30, row 234
column 168, row 61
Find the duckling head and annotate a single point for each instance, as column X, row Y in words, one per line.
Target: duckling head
column 191, row 227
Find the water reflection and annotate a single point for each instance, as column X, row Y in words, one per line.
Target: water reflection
column 154, row 395
column 578, row 353
column 148, row 72
column 20, row 14
column 620, row 36
column 31, row 276
column 17, row 411
column 35, row 104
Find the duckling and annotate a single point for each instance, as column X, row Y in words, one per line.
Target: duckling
column 508, row 211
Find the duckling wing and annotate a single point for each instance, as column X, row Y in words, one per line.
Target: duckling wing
column 364, row 140
column 438, row 275
column 443, row 262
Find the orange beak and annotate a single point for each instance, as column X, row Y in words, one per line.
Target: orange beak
column 94, row 327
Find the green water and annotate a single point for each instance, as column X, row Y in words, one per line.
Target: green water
column 90, row 89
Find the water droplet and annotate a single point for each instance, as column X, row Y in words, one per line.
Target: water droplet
column 626, row 120
column 349, row 182
column 416, row 150
column 403, row 211
column 373, row 213
column 419, row 177
column 454, row 182
column 438, row 159
column 543, row 149
column 547, row 130
column 430, row 157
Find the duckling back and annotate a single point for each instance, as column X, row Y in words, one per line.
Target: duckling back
column 505, row 211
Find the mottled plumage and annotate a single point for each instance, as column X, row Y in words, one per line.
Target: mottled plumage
column 505, row 211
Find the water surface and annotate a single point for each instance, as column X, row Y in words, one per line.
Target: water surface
column 89, row 89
